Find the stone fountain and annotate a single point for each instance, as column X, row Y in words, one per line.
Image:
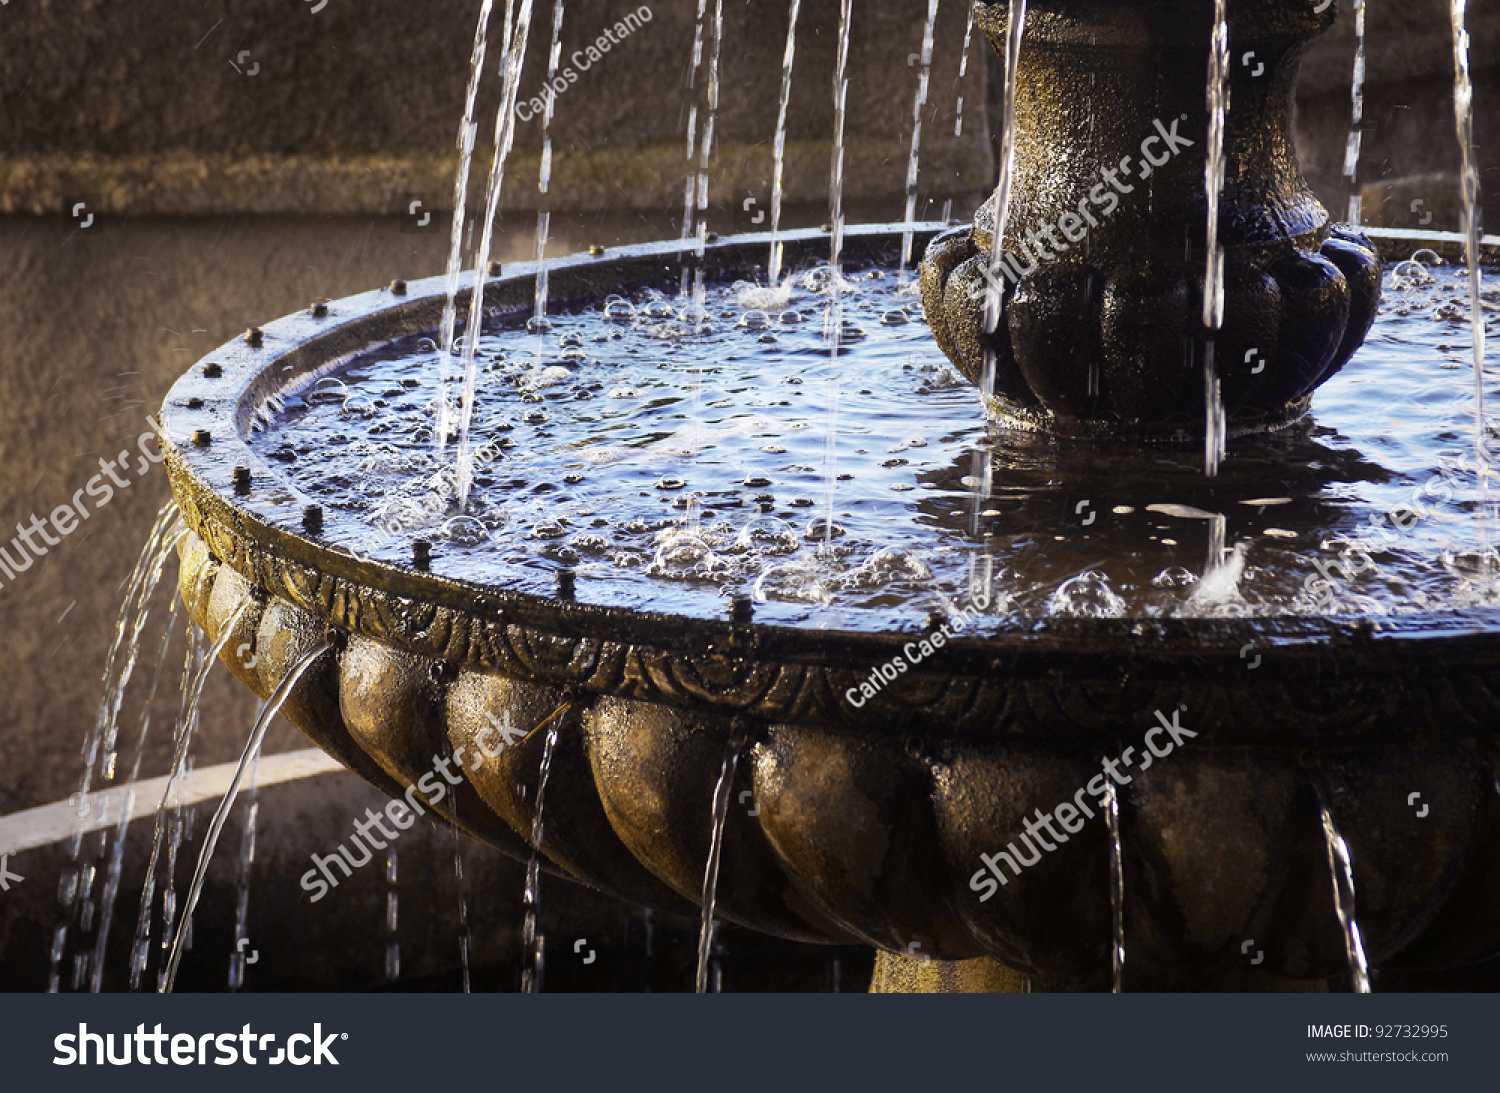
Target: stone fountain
column 868, row 818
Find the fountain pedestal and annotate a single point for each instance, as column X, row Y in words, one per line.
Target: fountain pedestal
column 1102, row 268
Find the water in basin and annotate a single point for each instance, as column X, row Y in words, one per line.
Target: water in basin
column 672, row 467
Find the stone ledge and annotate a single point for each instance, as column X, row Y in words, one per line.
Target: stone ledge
column 193, row 184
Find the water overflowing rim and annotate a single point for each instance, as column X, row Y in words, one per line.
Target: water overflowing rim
column 271, row 536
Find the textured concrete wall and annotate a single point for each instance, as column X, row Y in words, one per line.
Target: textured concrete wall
column 1408, row 128
column 265, row 106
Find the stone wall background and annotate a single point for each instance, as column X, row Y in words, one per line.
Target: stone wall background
column 153, row 106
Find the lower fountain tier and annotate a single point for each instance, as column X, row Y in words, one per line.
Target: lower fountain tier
column 841, row 834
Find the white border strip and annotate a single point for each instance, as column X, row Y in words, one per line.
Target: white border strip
column 48, row 824
column 1418, row 235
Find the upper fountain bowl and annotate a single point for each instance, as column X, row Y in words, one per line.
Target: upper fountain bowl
column 1101, row 278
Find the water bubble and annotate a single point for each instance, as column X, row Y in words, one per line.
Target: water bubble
column 592, row 544
column 545, row 377
column 684, row 554
column 797, row 581
column 1174, row 578
column 617, row 309
column 465, row 531
column 754, row 320
column 896, row 317
column 571, row 340
column 670, row 483
column 767, row 535
column 538, row 325
column 885, row 567
column 1086, row 596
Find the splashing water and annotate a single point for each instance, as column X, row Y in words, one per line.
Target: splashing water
column 221, row 814
column 773, row 270
column 533, row 947
column 1357, row 113
column 720, row 818
column 1213, row 280
column 1341, row 871
column 913, row 162
column 1116, row 887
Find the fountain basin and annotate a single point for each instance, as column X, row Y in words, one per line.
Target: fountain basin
column 864, row 821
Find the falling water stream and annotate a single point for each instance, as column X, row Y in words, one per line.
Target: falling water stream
column 467, row 132
column 505, row 136
column 1341, row 872
column 1116, row 888
column 1463, row 111
column 689, row 185
column 117, row 849
column 544, row 182
column 773, row 270
column 533, row 946
column 392, row 917
column 187, row 722
column 247, row 863
column 913, row 163
column 720, row 818
column 994, row 302
column 221, row 814
column 1356, row 115
column 834, row 316
column 465, row 935
column 963, row 70
column 99, row 747
column 1215, row 425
